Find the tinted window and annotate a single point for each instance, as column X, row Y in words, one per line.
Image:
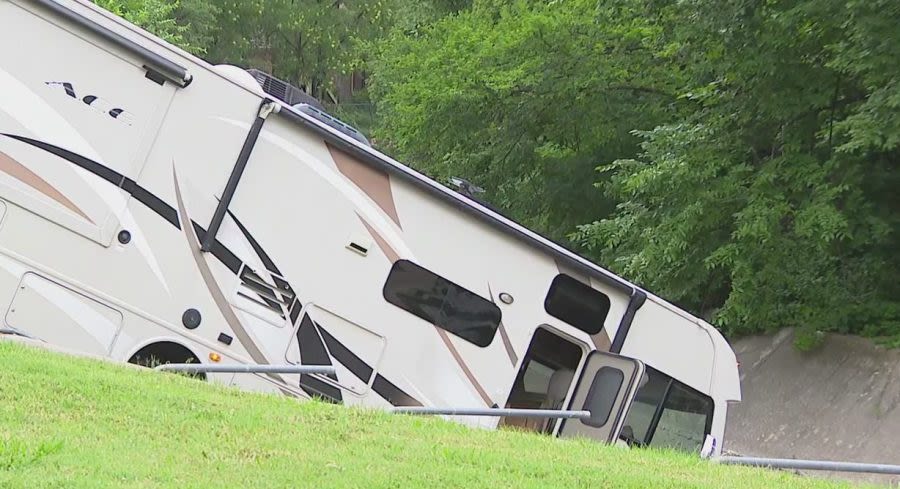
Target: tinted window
column 684, row 420
column 442, row 303
column 650, row 394
column 577, row 304
column 684, row 414
column 601, row 397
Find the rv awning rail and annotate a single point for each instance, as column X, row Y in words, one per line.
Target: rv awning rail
column 166, row 68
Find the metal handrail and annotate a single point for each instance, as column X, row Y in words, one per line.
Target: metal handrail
column 787, row 463
column 245, row 369
column 519, row 413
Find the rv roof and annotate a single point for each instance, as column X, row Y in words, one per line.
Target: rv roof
column 348, row 144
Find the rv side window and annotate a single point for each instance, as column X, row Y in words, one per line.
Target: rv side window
column 577, row 304
column 651, row 392
column 668, row 414
column 685, row 419
column 442, row 303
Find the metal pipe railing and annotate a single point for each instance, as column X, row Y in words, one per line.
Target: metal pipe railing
column 520, row 413
column 787, row 463
column 245, row 369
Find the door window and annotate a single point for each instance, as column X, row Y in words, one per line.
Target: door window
column 605, row 388
column 544, row 379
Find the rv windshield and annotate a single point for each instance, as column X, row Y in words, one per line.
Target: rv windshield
column 667, row 414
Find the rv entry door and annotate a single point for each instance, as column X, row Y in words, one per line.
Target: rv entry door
column 606, row 387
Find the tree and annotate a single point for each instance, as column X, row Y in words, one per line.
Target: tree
column 157, row 17
column 524, row 99
column 305, row 42
column 774, row 202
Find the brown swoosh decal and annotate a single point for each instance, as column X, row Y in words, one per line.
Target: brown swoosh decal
column 510, row 351
column 21, row 173
column 573, row 273
column 393, row 256
column 462, row 364
column 387, row 249
column 375, row 183
column 601, row 340
column 213, row 287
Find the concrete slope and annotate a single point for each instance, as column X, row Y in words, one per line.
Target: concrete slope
column 839, row 402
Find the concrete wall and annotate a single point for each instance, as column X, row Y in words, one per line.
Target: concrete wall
column 839, row 402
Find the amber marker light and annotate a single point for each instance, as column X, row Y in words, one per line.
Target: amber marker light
column 215, row 357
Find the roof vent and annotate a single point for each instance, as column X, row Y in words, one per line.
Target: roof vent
column 303, row 102
column 283, row 90
column 322, row 116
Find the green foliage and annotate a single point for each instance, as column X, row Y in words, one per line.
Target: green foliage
column 774, row 202
column 304, row 41
column 524, row 99
column 754, row 145
column 200, row 18
column 158, row 17
column 307, row 42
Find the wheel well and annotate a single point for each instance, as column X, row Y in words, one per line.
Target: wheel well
column 163, row 352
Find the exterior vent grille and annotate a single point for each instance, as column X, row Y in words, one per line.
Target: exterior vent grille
column 333, row 122
column 278, row 297
column 303, row 102
column 282, row 90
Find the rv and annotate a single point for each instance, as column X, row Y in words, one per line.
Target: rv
column 155, row 207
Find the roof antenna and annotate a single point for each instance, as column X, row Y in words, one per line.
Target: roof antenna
column 466, row 187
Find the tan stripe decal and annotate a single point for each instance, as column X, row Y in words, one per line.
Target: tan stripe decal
column 21, row 173
column 601, row 340
column 375, row 183
column 388, row 251
column 513, row 358
column 510, row 351
column 462, row 364
column 393, row 256
column 213, row 287
column 573, row 273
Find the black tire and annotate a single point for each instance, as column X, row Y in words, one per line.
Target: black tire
column 164, row 352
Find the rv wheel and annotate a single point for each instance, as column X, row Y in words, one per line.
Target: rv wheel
column 164, row 352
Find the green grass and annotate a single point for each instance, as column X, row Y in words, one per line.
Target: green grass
column 76, row 423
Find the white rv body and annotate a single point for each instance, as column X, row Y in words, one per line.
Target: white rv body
column 115, row 153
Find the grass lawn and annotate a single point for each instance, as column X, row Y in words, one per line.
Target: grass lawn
column 75, row 423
